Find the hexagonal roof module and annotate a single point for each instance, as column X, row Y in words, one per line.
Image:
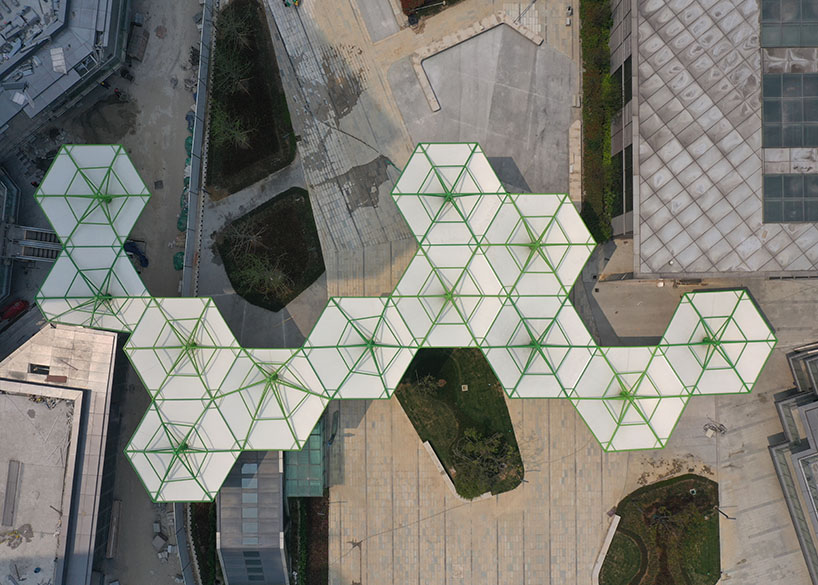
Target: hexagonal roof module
column 358, row 348
column 181, row 462
column 629, row 397
column 272, row 406
column 92, row 195
column 458, row 173
column 182, row 349
column 493, row 270
column 718, row 342
column 92, row 292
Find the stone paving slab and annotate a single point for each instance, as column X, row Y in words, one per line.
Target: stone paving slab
column 495, row 88
column 379, row 18
column 549, row 529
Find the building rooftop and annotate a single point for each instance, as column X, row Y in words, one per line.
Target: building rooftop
column 251, row 520
column 699, row 137
column 43, row 53
column 53, row 423
column 38, row 429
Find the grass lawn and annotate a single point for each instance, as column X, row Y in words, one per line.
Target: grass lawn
column 272, row 254
column 667, row 535
column 470, row 431
column 249, row 101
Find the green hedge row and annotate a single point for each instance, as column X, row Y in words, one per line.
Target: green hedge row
column 601, row 100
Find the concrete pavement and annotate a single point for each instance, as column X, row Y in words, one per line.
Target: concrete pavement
column 391, row 518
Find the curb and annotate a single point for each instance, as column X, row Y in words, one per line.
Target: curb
column 605, row 546
column 448, row 480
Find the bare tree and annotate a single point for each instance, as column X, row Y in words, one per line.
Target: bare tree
column 228, row 129
column 234, row 27
column 231, row 72
column 244, row 237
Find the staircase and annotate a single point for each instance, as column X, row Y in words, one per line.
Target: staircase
column 36, row 244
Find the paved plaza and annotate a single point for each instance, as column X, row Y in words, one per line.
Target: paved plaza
column 358, row 109
column 505, row 92
column 386, row 493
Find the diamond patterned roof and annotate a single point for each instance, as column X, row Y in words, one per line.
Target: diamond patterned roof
column 699, row 200
column 492, row 271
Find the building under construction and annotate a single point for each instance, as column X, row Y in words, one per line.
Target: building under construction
column 53, row 53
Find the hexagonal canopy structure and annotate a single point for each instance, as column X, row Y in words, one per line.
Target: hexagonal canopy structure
column 92, row 195
column 359, row 348
column 718, row 342
column 178, row 462
column 81, row 291
column 629, row 397
column 268, row 401
column 493, row 270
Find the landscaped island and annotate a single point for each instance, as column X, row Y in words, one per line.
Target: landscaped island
column 272, row 254
column 456, row 403
column 668, row 535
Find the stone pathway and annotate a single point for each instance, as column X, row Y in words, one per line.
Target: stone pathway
column 347, row 144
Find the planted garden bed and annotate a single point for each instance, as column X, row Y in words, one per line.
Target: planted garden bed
column 272, row 253
column 251, row 134
column 470, row 429
column 668, row 535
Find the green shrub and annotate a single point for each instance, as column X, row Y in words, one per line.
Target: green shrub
column 303, row 549
column 601, row 100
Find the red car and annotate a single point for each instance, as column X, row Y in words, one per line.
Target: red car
column 14, row 309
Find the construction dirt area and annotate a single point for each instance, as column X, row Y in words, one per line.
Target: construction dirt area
column 147, row 116
column 152, row 126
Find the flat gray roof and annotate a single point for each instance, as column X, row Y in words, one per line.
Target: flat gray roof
column 42, row 438
column 77, row 39
column 59, row 437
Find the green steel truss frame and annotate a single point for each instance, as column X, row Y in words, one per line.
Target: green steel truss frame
column 92, row 195
column 493, row 270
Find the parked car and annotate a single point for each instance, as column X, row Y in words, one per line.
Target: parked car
column 14, row 309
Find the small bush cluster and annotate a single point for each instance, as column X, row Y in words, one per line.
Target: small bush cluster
column 485, row 462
